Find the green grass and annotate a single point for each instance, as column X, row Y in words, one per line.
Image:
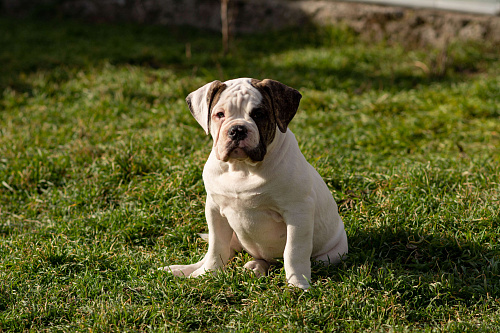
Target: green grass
column 100, row 181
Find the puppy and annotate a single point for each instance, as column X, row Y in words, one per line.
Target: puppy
column 262, row 194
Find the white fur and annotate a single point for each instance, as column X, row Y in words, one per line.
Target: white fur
column 278, row 208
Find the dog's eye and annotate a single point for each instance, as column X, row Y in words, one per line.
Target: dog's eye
column 258, row 114
column 220, row 115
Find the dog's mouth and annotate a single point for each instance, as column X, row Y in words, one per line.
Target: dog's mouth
column 238, row 154
column 236, row 150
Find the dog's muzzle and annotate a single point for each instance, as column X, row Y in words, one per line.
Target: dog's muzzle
column 242, row 144
column 237, row 133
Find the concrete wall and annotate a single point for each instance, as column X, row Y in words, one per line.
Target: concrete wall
column 490, row 7
column 249, row 15
column 406, row 25
column 400, row 24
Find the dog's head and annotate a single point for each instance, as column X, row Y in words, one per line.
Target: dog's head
column 242, row 115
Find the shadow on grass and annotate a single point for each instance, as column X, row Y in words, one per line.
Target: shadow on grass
column 65, row 46
column 418, row 268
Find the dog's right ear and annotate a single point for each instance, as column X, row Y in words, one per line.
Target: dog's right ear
column 201, row 102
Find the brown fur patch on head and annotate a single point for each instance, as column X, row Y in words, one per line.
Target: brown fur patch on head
column 264, row 118
column 213, row 96
column 283, row 100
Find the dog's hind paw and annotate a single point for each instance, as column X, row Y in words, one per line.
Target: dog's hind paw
column 258, row 266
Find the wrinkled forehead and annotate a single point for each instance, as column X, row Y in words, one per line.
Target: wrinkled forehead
column 239, row 95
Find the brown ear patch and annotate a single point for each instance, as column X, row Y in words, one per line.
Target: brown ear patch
column 213, row 95
column 283, row 99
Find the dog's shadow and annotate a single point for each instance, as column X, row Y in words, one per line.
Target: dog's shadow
column 470, row 270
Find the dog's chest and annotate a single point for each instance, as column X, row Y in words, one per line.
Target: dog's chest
column 259, row 227
column 248, row 202
column 239, row 190
column 236, row 199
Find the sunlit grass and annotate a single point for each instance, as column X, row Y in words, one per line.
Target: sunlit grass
column 100, row 181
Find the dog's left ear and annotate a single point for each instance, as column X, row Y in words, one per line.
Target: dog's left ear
column 202, row 100
column 283, row 99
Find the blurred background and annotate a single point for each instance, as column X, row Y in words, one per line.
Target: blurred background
column 394, row 20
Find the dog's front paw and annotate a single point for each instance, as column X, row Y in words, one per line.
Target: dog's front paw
column 198, row 272
column 205, row 270
column 180, row 270
column 302, row 283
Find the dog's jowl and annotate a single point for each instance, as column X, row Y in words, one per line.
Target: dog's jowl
column 262, row 194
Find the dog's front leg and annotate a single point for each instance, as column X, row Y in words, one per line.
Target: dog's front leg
column 219, row 240
column 298, row 248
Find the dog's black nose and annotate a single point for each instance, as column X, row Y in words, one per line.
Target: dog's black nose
column 237, row 132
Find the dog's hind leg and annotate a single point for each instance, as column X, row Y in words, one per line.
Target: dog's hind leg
column 235, row 244
column 335, row 255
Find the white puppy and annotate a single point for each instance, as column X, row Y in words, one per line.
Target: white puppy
column 262, row 194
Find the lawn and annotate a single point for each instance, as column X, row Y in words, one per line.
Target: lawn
column 100, row 180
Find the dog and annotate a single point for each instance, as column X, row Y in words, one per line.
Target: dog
column 262, row 194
